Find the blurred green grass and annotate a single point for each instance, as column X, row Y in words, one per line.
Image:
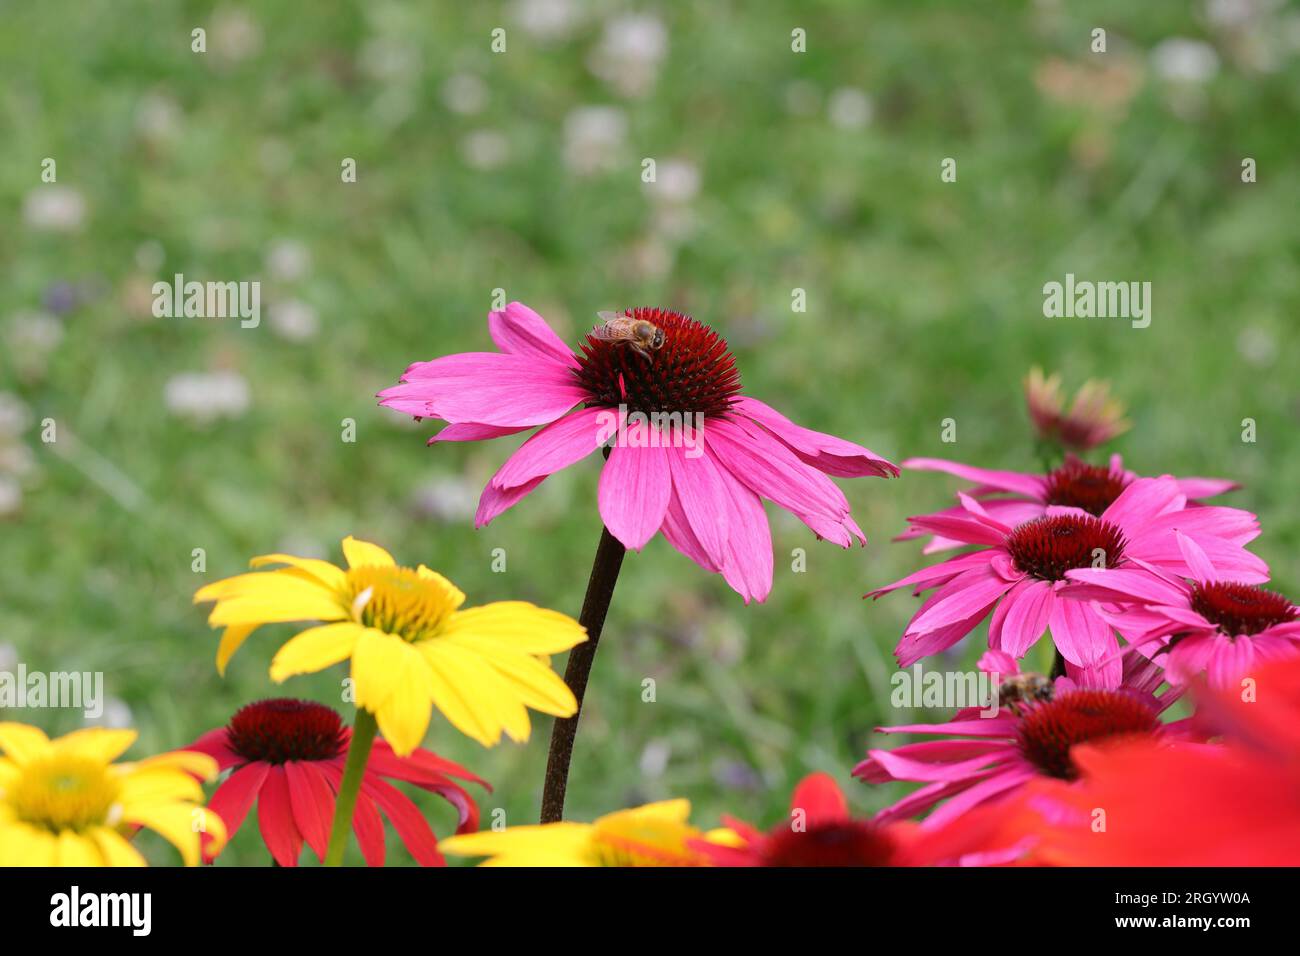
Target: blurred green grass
column 924, row 302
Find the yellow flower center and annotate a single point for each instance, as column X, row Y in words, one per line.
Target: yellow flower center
column 65, row 793
column 400, row 601
column 642, row 843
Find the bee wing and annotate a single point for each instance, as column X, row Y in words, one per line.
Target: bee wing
column 605, row 315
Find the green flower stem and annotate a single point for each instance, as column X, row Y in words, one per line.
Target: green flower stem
column 600, row 591
column 354, row 769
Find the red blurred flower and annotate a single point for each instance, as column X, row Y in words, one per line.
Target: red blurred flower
column 821, row 832
column 1230, row 804
column 288, row 756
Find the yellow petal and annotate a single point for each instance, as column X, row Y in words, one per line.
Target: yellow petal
column 377, row 659
column 315, row 649
column 456, row 597
column 361, row 553
column 158, row 785
column 667, row 811
column 518, row 626
column 404, row 717
column 76, row 850
column 232, row 639
column 531, row 681
column 116, row 851
column 250, row 583
column 480, row 702
column 285, row 599
column 180, row 824
column 97, row 743
column 331, row 576
column 24, row 845
column 22, row 742
column 183, row 761
column 551, row 844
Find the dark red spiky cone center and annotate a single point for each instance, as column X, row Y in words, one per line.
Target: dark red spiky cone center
column 843, row 843
column 692, row 372
column 1077, row 484
column 1241, row 608
column 282, row 730
column 1048, row 730
column 1047, row 547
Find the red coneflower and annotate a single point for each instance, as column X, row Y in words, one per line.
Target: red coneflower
column 288, row 755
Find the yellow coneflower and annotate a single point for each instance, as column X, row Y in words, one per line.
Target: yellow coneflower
column 410, row 645
column 64, row 802
column 656, row 834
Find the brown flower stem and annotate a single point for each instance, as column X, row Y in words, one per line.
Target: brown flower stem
column 1058, row 666
column 600, row 590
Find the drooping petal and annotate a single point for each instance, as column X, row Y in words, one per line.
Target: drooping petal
column 635, row 486
column 1031, row 486
column 488, row 388
column 275, row 819
column 234, row 798
column 826, row 453
column 312, row 803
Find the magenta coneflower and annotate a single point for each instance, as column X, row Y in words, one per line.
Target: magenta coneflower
column 984, row 759
column 1015, row 496
column 1020, row 571
column 1221, row 628
column 1094, row 417
column 687, row 454
column 703, row 491
column 288, row 756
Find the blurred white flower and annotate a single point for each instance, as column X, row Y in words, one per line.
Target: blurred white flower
column 294, row 320
column 1231, row 14
column 485, row 149
column 1257, row 346
column 14, row 415
column 465, row 93
column 1179, row 60
column 117, row 715
column 157, row 116
column 389, row 59
column 593, row 138
column 54, row 208
column 629, row 53
column 654, row 758
column 33, row 335
column 8, row 658
column 234, row 35
column 676, row 181
column 850, row 108
column 288, row 260
column 205, row 396
column 11, row 498
column 546, row 19
column 448, row 498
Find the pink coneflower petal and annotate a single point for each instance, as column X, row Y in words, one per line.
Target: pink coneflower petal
column 471, row 431
column 700, row 488
column 748, row 568
column 553, row 448
column 1144, row 500
column 1014, row 481
column 935, row 574
column 495, row 501
column 959, row 599
column 635, row 486
column 520, row 330
column 987, row 789
column 900, row 766
column 677, row 529
column 826, row 453
column 1022, row 618
column 491, row 388
column 1080, row 635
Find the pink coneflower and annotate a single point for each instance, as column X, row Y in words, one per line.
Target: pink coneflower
column 1020, row 571
column 703, row 491
column 1094, row 417
column 985, row 759
column 288, row 755
column 1015, row 496
column 1222, row 628
column 821, row 832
